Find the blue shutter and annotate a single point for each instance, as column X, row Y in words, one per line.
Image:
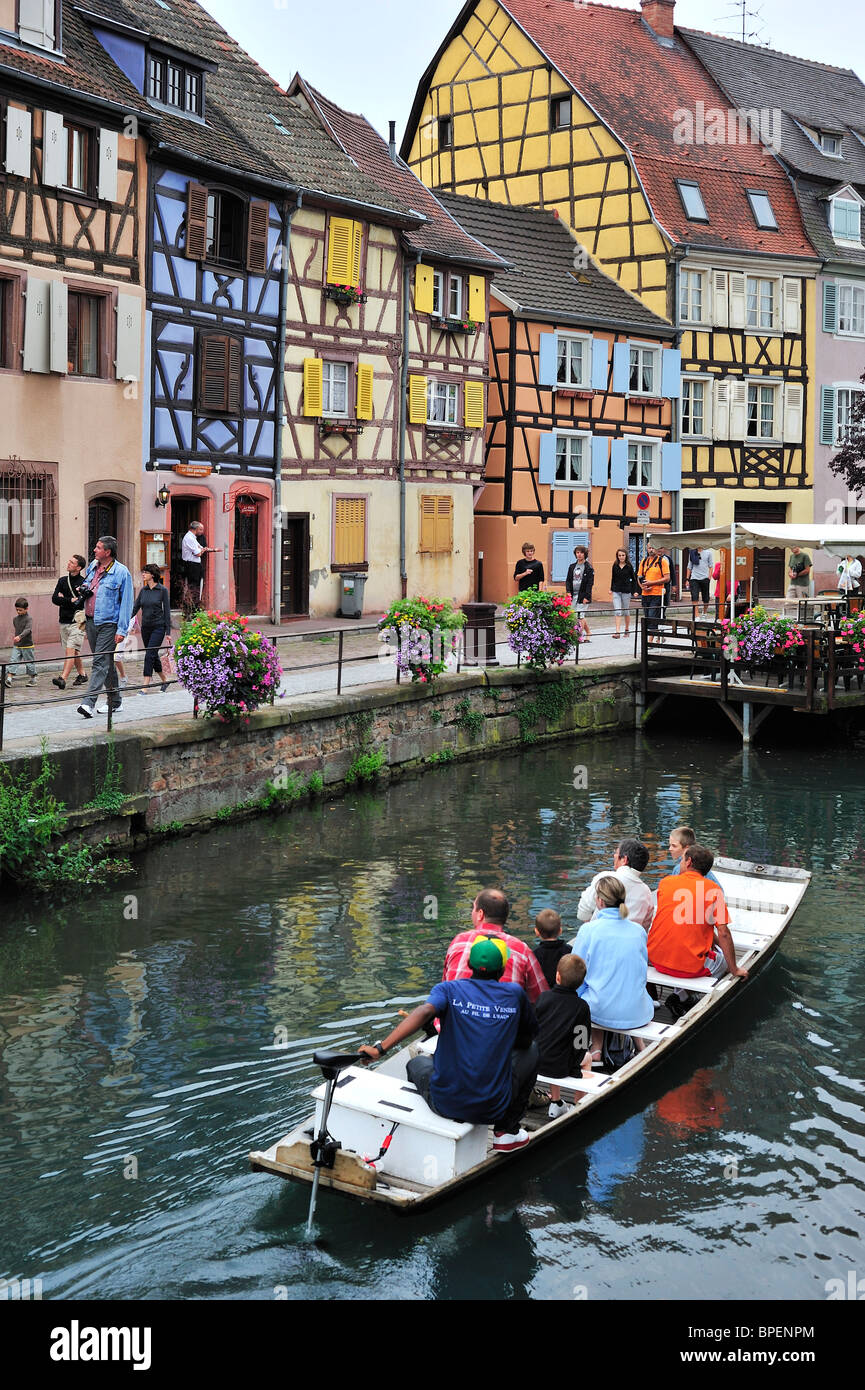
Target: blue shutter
column 619, row 463
column 600, row 456
column 548, row 359
column 830, row 306
column 600, row 358
column 621, row 367
column 671, row 467
column 671, row 373
column 547, row 460
column 827, row 415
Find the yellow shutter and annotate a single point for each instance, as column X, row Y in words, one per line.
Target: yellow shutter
column 340, row 251
column 313, row 386
column 427, row 524
column 357, row 243
column 477, row 298
column 474, row 412
column 364, row 391
column 444, row 532
column 417, row 400
column 423, row 289
column 349, row 531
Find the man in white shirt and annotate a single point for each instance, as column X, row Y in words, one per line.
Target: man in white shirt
column 191, row 552
column 629, row 860
column 697, row 578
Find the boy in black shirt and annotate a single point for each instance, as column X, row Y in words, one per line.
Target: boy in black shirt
column 550, row 946
column 565, row 1030
column 529, row 572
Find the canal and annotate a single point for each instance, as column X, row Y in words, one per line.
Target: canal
column 153, row 1034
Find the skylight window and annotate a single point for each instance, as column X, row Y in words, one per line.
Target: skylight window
column 692, row 201
column 284, row 130
column 762, row 210
column 830, row 144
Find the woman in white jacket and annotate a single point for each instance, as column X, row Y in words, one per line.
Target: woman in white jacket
column 849, row 573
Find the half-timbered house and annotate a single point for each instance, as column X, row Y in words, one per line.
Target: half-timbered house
column 583, row 378
column 386, row 367
column 605, row 115
column 72, row 208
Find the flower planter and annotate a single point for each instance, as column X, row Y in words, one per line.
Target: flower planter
column 347, row 428
column 542, row 628
column 228, row 669
column 344, row 294
column 458, row 325
column 425, row 633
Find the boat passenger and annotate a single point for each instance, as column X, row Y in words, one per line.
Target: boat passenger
column 614, row 949
column 689, row 936
column 486, row 1059
column 630, row 858
column 550, row 945
column 489, row 913
column 681, row 837
column 565, row 1025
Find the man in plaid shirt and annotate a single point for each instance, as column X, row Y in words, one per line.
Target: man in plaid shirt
column 489, row 914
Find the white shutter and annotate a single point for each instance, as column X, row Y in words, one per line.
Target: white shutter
column 721, row 413
column 737, row 300
column 53, row 150
column 127, row 364
column 739, row 410
column 792, row 414
column 19, row 126
column 107, row 187
column 792, row 290
column 719, row 298
column 37, row 316
column 59, row 327
column 36, row 22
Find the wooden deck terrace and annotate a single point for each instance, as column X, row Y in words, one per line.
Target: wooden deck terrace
column 686, row 658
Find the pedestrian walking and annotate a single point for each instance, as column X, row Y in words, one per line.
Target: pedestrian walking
column 623, row 586
column 155, row 609
column 697, row 577
column 653, row 576
column 23, row 652
column 107, row 609
column 67, row 597
column 579, row 582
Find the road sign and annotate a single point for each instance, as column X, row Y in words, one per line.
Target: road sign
column 644, row 516
column 644, row 501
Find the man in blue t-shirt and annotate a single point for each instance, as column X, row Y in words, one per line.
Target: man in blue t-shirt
column 486, row 1060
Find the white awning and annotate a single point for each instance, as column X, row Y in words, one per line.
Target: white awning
column 838, row 540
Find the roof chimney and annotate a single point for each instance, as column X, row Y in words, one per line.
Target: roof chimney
column 658, row 14
column 391, row 139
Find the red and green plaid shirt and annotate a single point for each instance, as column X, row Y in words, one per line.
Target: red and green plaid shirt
column 522, row 966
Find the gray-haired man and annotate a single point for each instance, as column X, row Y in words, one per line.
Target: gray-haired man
column 107, row 615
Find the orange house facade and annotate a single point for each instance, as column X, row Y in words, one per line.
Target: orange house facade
column 580, row 440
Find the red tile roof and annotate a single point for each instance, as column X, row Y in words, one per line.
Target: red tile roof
column 637, row 84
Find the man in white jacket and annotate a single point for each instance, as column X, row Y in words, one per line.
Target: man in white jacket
column 849, row 573
column 629, row 860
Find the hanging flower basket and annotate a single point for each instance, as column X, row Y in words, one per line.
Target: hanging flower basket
column 426, row 633
column 542, row 628
column 230, row 670
column 759, row 638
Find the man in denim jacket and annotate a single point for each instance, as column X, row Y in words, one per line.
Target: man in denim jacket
column 107, row 612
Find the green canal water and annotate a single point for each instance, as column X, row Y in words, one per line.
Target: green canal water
column 144, row 1055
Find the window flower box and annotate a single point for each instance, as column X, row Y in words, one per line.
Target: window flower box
column 436, row 427
column 344, row 427
column 574, row 393
column 463, row 325
column 344, row 294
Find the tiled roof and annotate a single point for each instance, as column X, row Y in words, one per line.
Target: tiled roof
column 814, row 215
column 83, row 68
column 441, row 235
column 543, row 278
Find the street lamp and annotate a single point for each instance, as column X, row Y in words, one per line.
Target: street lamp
column 163, row 495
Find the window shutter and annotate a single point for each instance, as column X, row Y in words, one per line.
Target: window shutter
column 349, row 531
column 827, row 413
column 417, row 400
column 671, row 467
column 196, row 221
column 59, row 296
column 19, row 129
column 357, row 244
column 621, row 368
column 427, row 524
column 127, row 363
column 106, row 188
column 792, row 433
column 474, row 405
column 619, row 464
column 547, row 460
column 600, row 363
column 739, row 410
column 719, row 298
column 213, row 373
column 830, row 306
column 313, row 386
column 721, row 415
column 36, row 22
column 423, row 289
column 444, row 525
column 257, row 230
column 339, row 251
column 53, row 150
column 548, row 355
column 234, row 386
column 363, row 407
column 478, row 298
column 737, row 300
column 600, row 457
column 37, row 318
column 671, row 373
column 792, row 290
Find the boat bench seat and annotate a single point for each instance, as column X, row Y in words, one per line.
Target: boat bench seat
column 390, row 1098
column 649, row 1032
column 577, row 1083
column 702, row 984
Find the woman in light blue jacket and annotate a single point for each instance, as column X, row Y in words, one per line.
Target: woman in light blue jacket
column 617, row 962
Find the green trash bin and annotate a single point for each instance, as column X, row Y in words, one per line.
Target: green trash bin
column 352, row 587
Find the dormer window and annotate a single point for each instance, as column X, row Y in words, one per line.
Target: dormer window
column 762, row 209
column 830, row 144
column 39, row 23
column 692, row 201
column 846, row 220
column 173, row 83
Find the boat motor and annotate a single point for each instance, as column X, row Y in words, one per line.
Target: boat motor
column 324, row 1147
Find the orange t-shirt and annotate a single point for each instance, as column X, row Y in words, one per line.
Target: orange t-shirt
column 653, row 575
column 689, row 908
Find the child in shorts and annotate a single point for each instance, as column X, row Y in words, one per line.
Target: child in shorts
column 23, row 650
column 565, row 1025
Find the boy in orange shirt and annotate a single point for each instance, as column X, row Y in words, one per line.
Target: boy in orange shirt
column 689, row 936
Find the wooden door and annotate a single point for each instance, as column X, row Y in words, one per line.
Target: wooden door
column 102, row 517
column 183, row 511
column 246, row 554
column 769, row 573
column 295, row 566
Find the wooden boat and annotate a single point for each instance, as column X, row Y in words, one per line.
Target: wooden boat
column 429, row 1157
